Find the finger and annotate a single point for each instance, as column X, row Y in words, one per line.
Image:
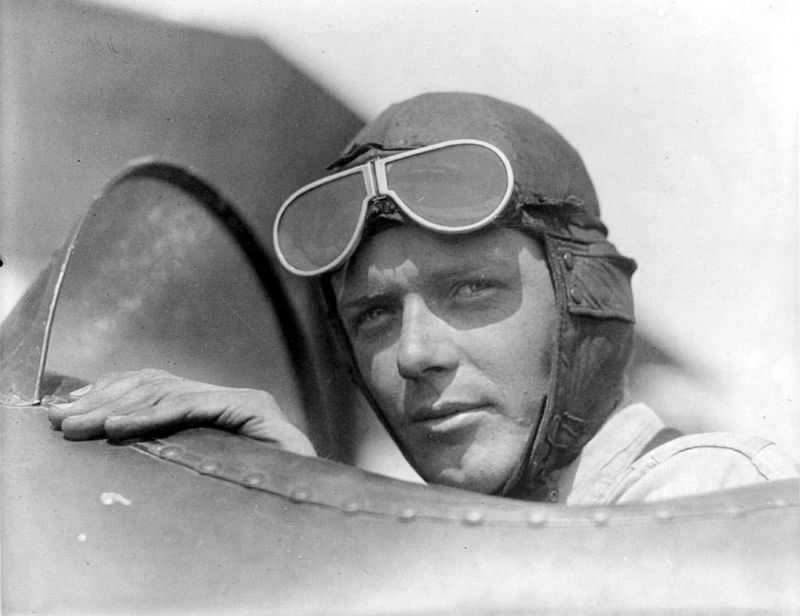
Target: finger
column 109, row 385
column 152, row 421
column 117, row 393
column 99, row 400
column 84, row 426
column 256, row 414
column 57, row 413
column 85, row 421
column 171, row 405
column 144, row 374
column 77, row 393
column 188, row 404
column 282, row 434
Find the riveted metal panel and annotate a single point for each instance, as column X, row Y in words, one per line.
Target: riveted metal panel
column 208, row 522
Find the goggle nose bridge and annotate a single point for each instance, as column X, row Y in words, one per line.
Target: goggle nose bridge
column 381, row 199
column 372, row 180
column 378, row 184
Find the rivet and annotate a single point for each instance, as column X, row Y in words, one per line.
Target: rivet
column 664, row 515
column 780, row 502
column 254, row 479
column 171, row 451
column 473, row 518
column 300, row 495
column 600, row 517
column 406, row 514
column 351, row 507
column 537, row 517
column 576, row 295
column 569, row 260
column 552, row 495
column 209, row 467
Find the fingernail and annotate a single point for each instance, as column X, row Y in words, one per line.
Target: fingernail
column 83, row 390
column 61, row 405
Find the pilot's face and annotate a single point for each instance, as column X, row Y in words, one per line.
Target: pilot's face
column 452, row 335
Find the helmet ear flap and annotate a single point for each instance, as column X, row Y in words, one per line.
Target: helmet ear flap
column 594, row 343
column 341, row 343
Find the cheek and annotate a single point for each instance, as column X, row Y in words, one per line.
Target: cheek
column 521, row 362
column 380, row 373
column 538, row 350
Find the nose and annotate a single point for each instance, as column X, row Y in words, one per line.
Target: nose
column 426, row 345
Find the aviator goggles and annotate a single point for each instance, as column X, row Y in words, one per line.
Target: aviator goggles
column 455, row 186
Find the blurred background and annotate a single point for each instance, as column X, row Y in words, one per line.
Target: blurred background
column 685, row 114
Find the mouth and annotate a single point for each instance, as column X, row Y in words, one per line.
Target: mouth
column 446, row 416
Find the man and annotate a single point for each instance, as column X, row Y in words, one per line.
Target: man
column 487, row 319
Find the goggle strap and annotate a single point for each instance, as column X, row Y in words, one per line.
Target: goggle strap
column 359, row 149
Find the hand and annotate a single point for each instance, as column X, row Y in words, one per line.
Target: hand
column 131, row 404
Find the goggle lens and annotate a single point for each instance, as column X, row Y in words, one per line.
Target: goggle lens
column 451, row 187
column 454, row 187
column 321, row 223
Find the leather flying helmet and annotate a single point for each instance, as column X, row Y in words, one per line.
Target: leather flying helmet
column 554, row 201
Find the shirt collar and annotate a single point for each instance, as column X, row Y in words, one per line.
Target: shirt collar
column 617, row 444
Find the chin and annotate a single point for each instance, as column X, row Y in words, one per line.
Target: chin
column 474, row 480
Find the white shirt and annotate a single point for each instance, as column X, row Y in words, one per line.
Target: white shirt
column 612, row 469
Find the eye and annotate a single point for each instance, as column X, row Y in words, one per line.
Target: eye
column 372, row 319
column 471, row 289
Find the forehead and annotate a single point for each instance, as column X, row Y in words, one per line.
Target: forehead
column 410, row 251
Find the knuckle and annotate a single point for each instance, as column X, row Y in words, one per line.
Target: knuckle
column 253, row 400
column 264, row 398
column 150, row 375
column 104, row 380
column 136, row 377
column 155, row 385
column 115, row 376
column 156, row 373
column 172, row 398
column 66, row 410
column 169, row 389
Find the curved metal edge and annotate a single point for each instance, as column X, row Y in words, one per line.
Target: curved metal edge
column 313, row 481
column 52, row 310
column 52, row 289
column 244, row 237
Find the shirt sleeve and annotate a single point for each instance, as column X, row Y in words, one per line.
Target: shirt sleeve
column 702, row 463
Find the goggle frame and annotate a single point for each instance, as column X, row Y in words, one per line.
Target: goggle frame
column 376, row 185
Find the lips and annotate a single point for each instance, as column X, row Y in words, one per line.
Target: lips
column 443, row 409
column 449, row 422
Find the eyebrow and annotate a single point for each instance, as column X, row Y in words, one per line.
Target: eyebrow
column 452, row 271
column 364, row 301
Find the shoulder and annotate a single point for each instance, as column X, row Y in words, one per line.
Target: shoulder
column 700, row 463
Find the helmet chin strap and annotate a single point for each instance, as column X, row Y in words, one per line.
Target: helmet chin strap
column 512, row 484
